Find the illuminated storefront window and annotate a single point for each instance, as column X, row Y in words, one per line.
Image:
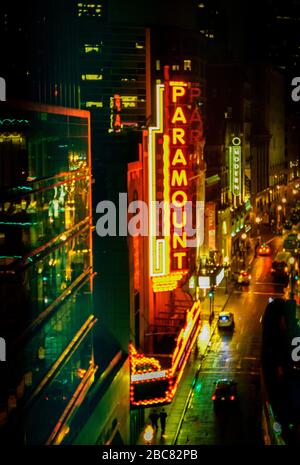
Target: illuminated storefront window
column 89, row 9
column 187, row 65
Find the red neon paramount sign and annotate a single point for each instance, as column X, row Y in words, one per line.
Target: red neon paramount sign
column 185, row 131
column 173, row 145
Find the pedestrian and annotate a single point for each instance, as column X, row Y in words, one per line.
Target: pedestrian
column 154, row 416
column 163, row 417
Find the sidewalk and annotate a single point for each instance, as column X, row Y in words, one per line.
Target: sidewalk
column 177, row 408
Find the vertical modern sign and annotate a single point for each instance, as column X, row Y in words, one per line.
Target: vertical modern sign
column 235, row 166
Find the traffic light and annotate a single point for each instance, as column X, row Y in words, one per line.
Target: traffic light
column 211, row 293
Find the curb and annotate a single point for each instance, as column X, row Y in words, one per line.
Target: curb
column 186, row 406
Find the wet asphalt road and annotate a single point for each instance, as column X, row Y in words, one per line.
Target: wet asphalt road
column 234, row 355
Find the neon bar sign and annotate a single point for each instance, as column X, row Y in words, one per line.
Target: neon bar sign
column 235, row 162
column 172, row 144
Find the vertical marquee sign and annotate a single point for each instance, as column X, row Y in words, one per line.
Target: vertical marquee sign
column 172, row 146
column 235, row 166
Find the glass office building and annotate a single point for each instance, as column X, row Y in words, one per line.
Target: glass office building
column 46, row 270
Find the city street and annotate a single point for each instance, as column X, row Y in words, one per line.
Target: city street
column 235, row 355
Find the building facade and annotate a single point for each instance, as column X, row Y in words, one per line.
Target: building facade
column 62, row 363
column 46, row 268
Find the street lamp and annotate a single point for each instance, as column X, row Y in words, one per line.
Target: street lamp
column 244, row 237
column 258, row 221
column 226, row 266
column 279, row 208
column 284, row 208
column 211, row 295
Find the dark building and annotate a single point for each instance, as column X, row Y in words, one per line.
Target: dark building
column 43, row 65
column 112, row 63
column 39, row 53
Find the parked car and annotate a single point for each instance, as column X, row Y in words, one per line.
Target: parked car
column 264, row 250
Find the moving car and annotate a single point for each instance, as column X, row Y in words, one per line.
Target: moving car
column 226, row 320
column 225, row 391
column 280, row 266
column 264, row 250
column 287, row 225
column 243, row 278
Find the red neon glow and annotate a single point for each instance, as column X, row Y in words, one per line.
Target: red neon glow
column 184, row 126
column 141, row 371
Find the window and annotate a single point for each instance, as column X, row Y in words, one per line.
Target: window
column 129, row 101
column 138, row 45
column 91, row 104
column 157, row 64
column 187, row 65
column 96, row 48
column 175, row 68
column 91, row 77
column 89, row 9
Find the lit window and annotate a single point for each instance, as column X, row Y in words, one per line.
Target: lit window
column 129, row 101
column 187, row 65
column 157, row 65
column 88, row 48
column 94, row 104
column 201, row 5
column 91, row 77
column 137, row 45
column 89, row 9
column 175, row 67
